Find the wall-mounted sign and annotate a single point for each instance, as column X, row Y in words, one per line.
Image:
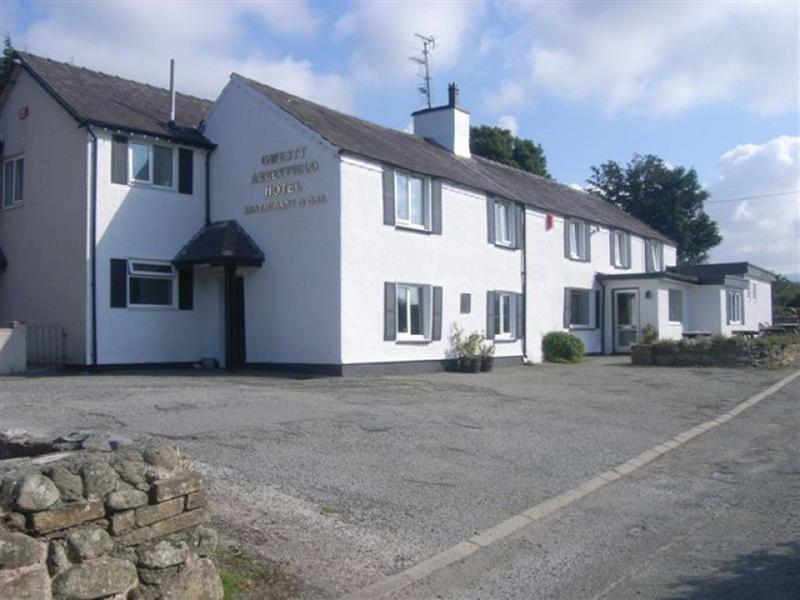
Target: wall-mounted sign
column 23, row 113
column 285, row 195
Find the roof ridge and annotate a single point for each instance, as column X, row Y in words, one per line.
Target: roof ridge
column 25, row 54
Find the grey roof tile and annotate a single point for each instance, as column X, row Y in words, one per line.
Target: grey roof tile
column 220, row 242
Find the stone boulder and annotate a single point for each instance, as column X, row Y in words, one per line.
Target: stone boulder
column 97, row 578
column 19, row 550
column 199, row 581
column 86, row 543
column 99, row 479
column 25, row 584
column 163, row 554
column 34, row 493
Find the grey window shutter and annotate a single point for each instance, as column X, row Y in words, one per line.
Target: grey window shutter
column 613, row 251
column 119, row 283
column 389, row 311
column 490, row 315
column 628, row 244
column 436, row 207
column 186, row 289
column 388, row 196
column 566, row 238
column 648, row 256
column 567, row 308
column 185, row 170
column 598, row 312
column 490, row 219
column 588, row 233
column 519, row 219
column 519, row 324
column 436, row 333
column 466, row 304
column 119, row 159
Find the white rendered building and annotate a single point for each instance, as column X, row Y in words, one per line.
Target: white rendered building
column 266, row 230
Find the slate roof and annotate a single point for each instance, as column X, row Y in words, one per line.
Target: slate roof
column 716, row 273
column 424, row 156
column 115, row 103
column 221, row 242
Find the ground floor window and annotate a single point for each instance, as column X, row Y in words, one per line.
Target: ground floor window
column 502, row 315
column 150, row 283
column 734, row 307
column 580, row 313
column 676, row 306
column 12, row 176
column 410, row 313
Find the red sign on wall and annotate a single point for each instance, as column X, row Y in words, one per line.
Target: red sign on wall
column 23, row 113
column 549, row 222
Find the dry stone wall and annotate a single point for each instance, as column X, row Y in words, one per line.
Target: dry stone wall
column 126, row 524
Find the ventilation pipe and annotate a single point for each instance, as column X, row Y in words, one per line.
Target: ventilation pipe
column 171, row 91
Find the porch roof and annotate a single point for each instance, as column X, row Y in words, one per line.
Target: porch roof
column 218, row 243
column 654, row 275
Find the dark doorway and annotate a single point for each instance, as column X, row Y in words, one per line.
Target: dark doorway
column 238, row 342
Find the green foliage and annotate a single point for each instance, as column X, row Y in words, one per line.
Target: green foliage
column 486, row 349
column 6, row 60
column 502, row 146
column 720, row 344
column 669, row 199
column 649, row 334
column 785, row 297
column 466, row 345
column 562, row 347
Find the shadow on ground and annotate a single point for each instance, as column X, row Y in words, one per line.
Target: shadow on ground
column 772, row 574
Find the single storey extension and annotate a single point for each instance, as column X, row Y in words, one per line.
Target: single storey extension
column 265, row 230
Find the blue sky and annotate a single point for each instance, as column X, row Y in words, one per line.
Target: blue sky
column 713, row 85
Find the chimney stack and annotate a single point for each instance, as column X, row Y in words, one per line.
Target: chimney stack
column 447, row 125
column 171, row 91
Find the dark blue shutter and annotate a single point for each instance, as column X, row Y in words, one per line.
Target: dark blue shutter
column 119, row 159
column 436, row 207
column 388, row 196
column 436, row 333
column 185, row 170
column 186, row 289
column 598, row 306
column 389, row 311
column 119, row 283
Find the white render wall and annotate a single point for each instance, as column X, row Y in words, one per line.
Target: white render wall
column 142, row 222
column 461, row 260
column 45, row 237
column 292, row 303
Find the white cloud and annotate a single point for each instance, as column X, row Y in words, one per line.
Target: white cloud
column 508, row 122
column 384, row 36
column 208, row 42
column 510, row 94
column 763, row 230
column 661, row 57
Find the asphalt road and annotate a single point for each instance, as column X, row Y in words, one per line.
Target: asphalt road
column 348, row 480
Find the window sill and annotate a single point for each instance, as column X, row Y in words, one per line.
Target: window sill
column 151, row 186
column 413, row 341
column 582, row 328
column 412, row 227
column 505, row 246
column 150, row 306
column 577, row 259
column 621, row 268
column 13, row 206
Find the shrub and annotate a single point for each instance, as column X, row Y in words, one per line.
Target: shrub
column 466, row 345
column 649, row 334
column 562, row 347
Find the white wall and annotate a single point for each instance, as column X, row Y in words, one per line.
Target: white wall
column 292, row 302
column 13, row 349
column 149, row 223
column 45, row 237
column 461, row 260
column 449, row 126
column 758, row 307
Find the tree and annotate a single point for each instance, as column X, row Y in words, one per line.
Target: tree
column 785, row 297
column 6, row 61
column 669, row 199
column 502, row 146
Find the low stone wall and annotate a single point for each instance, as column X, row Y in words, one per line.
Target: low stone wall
column 687, row 354
column 126, row 524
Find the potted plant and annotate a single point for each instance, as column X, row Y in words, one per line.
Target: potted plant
column 466, row 348
column 486, row 350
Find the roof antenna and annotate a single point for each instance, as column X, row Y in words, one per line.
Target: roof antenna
column 424, row 61
column 172, row 91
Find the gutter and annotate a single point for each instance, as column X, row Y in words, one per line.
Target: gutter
column 524, row 285
column 209, row 152
column 93, row 239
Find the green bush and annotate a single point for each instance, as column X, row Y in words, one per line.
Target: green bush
column 562, row 347
column 649, row 334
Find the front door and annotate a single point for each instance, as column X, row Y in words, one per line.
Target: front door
column 626, row 319
column 238, row 342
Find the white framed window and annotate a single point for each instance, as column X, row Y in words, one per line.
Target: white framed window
column 13, row 178
column 577, row 242
column 676, row 306
column 580, row 308
column 503, row 315
column 152, row 164
column 621, row 249
column 413, row 305
column 654, row 256
column 733, row 306
column 753, row 291
column 150, row 283
column 412, row 201
column 503, row 223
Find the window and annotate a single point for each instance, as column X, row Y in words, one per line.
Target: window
column 754, row 291
column 13, row 176
column 676, row 306
column 150, row 283
column 733, row 307
column 410, row 311
column 466, row 304
column 503, row 223
column 503, row 314
column 577, row 242
column 152, row 164
column 579, row 308
column 621, row 249
column 411, row 205
column 654, row 256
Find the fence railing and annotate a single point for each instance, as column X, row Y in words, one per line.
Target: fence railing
column 46, row 345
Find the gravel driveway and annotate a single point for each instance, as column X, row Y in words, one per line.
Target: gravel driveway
column 346, row 479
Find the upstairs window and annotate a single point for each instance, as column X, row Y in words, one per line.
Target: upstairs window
column 152, row 164
column 411, row 203
column 653, row 256
column 577, row 240
column 621, row 249
column 502, row 223
column 150, row 283
column 733, row 306
column 13, row 177
column 676, row 306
